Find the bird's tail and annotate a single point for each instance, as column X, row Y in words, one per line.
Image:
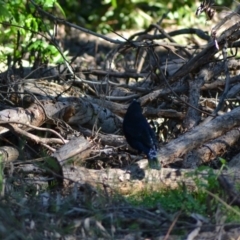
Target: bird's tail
column 153, row 159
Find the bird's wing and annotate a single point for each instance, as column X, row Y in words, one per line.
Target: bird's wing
column 141, row 132
column 148, row 137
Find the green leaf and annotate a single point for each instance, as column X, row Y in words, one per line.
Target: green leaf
column 5, row 15
column 222, row 160
column 46, row 3
column 60, row 8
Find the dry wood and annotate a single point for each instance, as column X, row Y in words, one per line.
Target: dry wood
column 73, row 111
column 117, row 108
column 48, row 89
column 135, row 179
column 233, row 91
column 209, row 151
column 109, row 139
column 77, row 147
column 199, row 135
column 8, row 154
column 33, row 115
column 91, row 114
column 193, row 116
column 39, row 140
column 232, row 34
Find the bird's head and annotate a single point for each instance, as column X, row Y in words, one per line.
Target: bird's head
column 135, row 107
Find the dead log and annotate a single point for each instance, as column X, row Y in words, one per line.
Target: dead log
column 133, row 179
column 198, row 136
column 71, row 107
column 86, row 113
column 71, row 110
column 105, row 139
column 34, row 115
column 77, row 148
column 8, row 154
column 209, row 151
column 136, row 179
column 49, row 90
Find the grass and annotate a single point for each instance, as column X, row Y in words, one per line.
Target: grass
column 171, row 200
column 206, row 200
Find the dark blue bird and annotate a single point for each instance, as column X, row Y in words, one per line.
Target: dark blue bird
column 139, row 134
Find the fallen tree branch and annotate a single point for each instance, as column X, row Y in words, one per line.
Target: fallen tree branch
column 211, row 150
column 34, row 138
column 198, row 136
column 135, row 179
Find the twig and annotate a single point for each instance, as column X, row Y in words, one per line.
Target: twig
column 63, row 21
column 43, row 141
column 36, row 128
column 169, row 86
column 221, row 101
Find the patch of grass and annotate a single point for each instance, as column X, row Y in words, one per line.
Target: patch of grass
column 172, row 200
column 230, row 217
column 206, row 199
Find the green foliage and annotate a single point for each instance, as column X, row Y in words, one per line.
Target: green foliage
column 207, row 180
column 108, row 15
column 27, row 34
column 23, row 27
column 24, row 31
column 172, row 200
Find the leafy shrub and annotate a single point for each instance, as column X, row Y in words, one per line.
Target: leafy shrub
column 25, row 32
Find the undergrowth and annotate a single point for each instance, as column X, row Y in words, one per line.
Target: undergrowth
column 206, row 199
column 82, row 210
